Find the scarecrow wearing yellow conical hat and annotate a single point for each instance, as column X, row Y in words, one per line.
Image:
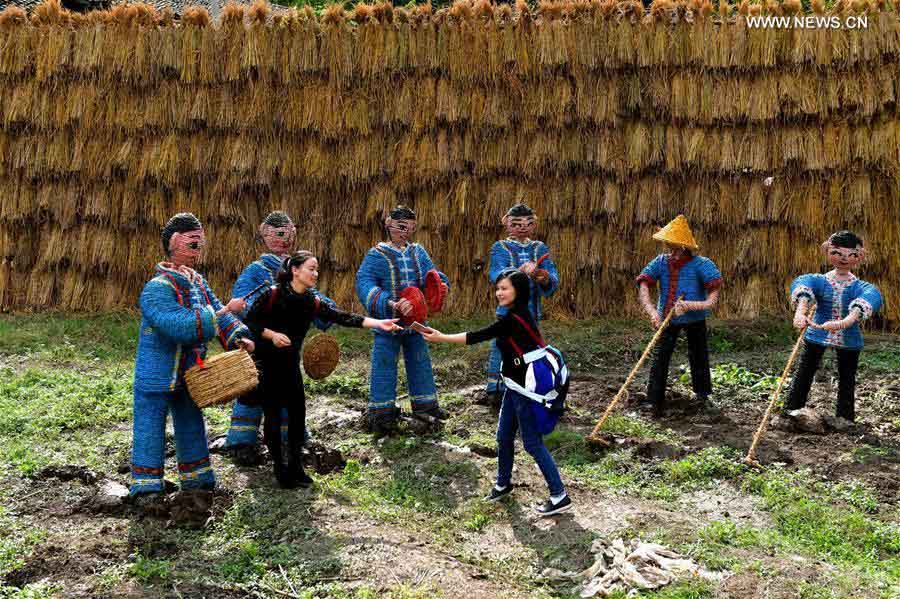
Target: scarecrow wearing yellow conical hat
column 696, row 280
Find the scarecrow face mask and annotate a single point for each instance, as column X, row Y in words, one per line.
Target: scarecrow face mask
column 844, row 258
column 400, row 230
column 519, row 227
column 185, row 248
column 278, row 240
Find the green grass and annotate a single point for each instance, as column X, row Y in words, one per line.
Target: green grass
column 65, row 339
column 16, row 542
column 44, row 413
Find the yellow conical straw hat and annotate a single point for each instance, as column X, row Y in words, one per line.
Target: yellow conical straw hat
column 677, row 232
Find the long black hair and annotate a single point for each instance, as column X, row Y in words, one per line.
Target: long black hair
column 521, row 283
column 295, row 260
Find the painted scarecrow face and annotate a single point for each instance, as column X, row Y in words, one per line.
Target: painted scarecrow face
column 675, row 250
column 844, row 258
column 401, row 230
column 279, row 240
column 519, row 227
column 185, row 248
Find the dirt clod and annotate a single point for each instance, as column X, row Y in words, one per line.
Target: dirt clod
column 322, row 459
column 67, row 473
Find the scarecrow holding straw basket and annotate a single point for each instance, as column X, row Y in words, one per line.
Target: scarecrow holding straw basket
column 530, row 256
column 842, row 302
column 278, row 233
column 179, row 315
column 389, row 283
column 696, row 280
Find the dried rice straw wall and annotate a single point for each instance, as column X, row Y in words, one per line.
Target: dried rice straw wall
column 606, row 120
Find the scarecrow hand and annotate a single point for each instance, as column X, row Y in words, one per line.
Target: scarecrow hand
column 541, row 276
column 403, row 306
column 280, row 340
column 246, row 344
column 655, row 320
column 801, row 321
column 681, row 307
column 528, row 268
column 235, row 305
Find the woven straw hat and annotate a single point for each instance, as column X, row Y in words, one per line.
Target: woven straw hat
column 677, row 232
column 321, row 355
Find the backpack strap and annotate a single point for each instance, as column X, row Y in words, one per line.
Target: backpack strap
column 272, row 296
column 537, row 338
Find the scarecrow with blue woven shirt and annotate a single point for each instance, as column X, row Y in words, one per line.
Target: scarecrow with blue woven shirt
column 390, row 279
column 680, row 273
column 179, row 315
column 842, row 302
column 530, row 256
column 278, row 233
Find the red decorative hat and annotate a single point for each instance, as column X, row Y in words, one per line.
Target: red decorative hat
column 420, row 309
column 435, row 291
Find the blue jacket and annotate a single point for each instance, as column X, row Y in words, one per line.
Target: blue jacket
column 178, row 318
column 509, row 253
column 263, row 271
column 385, row 272
column 834, row 299
column 692, row 276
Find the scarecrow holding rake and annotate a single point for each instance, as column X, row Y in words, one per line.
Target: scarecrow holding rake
column 179, row 315
column 278, row 233
column 842, row 302
column 697, row 281
column 389, row 284
column 530, row 256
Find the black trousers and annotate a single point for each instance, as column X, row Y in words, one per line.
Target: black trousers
column 275, row 397
column 810, row 359
column 698, row 356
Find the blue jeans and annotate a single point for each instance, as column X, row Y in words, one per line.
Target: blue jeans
column 516, row 414
column 494, row 380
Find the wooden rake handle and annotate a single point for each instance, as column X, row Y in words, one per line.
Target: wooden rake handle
column 623, row 391
column 751, row 453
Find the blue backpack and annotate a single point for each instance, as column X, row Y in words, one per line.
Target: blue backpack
column 546, row 380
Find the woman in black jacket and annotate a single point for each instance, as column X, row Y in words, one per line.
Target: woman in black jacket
column 517, row 334
column 279, row 320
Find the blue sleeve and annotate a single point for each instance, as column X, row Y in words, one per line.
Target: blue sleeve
column 159, row 305
column 805, row 287
column 320, row 323
column 230, row 327
column 250, row 278
column 868, row 302
column 500, row 261
column 427, row 264
column 709, row 274
column 368, row 289
column 550, row 267
column 652, row 272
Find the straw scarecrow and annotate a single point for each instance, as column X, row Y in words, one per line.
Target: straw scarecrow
column 842, row 302
column 530, row 256
column 179, row 314
column 278, row 233
column 679, row 273
column 387, row 271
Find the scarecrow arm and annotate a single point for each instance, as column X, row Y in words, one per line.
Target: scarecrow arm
column 546, row 274
column 427, row 265
column 868, row 302
column 230, row 328
column 500, row 261
column 372, row 296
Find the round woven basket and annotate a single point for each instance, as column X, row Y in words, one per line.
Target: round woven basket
column 224, row 377
column 320, row 356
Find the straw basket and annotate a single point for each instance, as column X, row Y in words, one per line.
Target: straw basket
column 223, row 378
column 320, row 356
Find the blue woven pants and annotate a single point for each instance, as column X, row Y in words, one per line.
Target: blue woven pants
column 383, row 376
column 149, row 443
